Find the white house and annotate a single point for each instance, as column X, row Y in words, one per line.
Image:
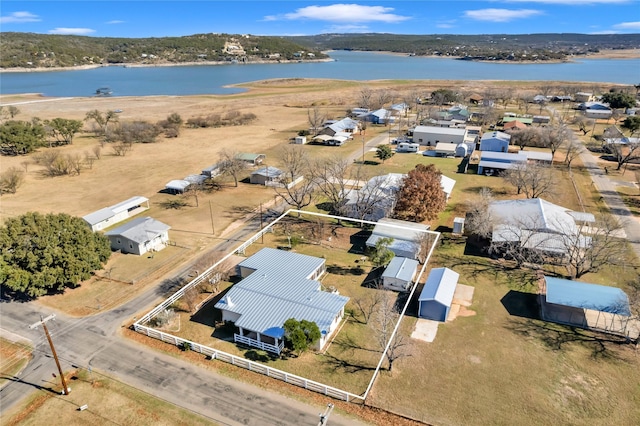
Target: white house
column 539, row 225
column 431, row 135
column 109, row 216
column 277, row 285
column 399, row 274
column 139, row 236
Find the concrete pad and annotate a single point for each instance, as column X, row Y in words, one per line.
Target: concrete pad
column 463, row 295
column 425, row 330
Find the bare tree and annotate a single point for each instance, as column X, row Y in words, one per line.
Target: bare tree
column 231, row 164
column 478, row 220
column 332, row 178
column 298, row 195
column 534, row 179
column 97, row 151
column 365, row 98
column 295, row 161
column 370, row 199
column 89, row 159
column 382, row 97
column 425, row 243
column 529, row 136
column 624, row 153
column 573, row 149
column 25, row 164
column 554, row 136
column 367, row 305
column 584, row 124
column 593, row 246
column 121, row 149
column 191, row 297
column 384, row 322
column 75, row 162
column 316, row 118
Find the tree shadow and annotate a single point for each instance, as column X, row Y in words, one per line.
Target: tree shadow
column 260, row 356
column 345, row 364
column 345, row 270
column 207, row 314
column 358, row 242
column 170, row 286
column 558, row 337
column 477, row 246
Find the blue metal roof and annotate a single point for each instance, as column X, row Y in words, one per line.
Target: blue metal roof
column 280, row 289
column 440, row 286
column 587, row 296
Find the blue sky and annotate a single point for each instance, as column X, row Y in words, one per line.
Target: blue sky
column 286, row 17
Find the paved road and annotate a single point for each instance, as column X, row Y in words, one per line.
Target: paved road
column 94, row 341
column 612, row 199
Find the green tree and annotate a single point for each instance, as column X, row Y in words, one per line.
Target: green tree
column 300, row 335
column 20, row 137
column 421, row 196
column 47, row 253
column 63, row 129
column 384, row 152
column 632, row 123
column 619, row 99
column 381, row 254
column 101, row 120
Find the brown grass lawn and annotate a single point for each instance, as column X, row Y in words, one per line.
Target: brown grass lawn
column 503, row 366
column 14, row 356
column 108, row 401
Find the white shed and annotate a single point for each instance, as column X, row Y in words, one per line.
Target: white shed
column 436, row 296
column 301, row 140
column 399, row 274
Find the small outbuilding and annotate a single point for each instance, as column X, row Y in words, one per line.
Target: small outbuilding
column 399, row 274
column 436, row 296
column 300, row 140
column 406, row 236
column 139, row 236
column 109, row 216
column 495, row 142
column 177, row 186
column 266, row 176
column 252, row 159
column 445, row 149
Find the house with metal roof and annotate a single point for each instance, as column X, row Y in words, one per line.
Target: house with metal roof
column 379, row 116
column 406, row 236
column 346, row 125
column 177, row 186
column 398, row 275
column 492, row 162
column 139, row 236
column 589, row 306
column 277, row 285
column 266, row 176
column 495, row 142
column 252, row 159
column 431, row 135
column 436, row 297
column 111, row 215
column 539, row 225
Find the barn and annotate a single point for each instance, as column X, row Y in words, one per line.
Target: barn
column 436, row 296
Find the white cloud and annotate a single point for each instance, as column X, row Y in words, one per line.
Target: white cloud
column 500, row 15
column 72, row 31
column 446, row 24
column 19, row 18
column 348, row 13
column 628, row 26
column 115, row 21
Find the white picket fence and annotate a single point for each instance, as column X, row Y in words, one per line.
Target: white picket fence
column 215, row 354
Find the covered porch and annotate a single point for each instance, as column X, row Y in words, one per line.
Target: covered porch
column 260, row 340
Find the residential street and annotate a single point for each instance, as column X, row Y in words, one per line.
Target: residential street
column 95, row 342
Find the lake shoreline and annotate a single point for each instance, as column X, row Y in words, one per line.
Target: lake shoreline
column 620, row 54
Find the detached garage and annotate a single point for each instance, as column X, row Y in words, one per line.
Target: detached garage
column 435, row 299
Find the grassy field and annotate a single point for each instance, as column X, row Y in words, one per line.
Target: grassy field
column 14, row 357
column 108, row 401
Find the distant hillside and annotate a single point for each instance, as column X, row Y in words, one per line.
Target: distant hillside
column 486, row 47
column 43, row 50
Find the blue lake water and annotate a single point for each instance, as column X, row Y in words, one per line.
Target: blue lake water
column 359, row 66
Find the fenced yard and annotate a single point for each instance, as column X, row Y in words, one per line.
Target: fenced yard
column 347, row 365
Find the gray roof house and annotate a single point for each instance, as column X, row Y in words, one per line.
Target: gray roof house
column 278, row 285
column 436, row 296
column 399, row 274
column 495, row 141
column 253, row 159
column 266, row 175
column 406, row 236
column 139, row 236
column 539, row 225
column 111, row 215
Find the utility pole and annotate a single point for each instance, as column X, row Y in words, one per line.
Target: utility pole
column 43, row 321
column 324, row 417
column 213, row 229
column 261, row 233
